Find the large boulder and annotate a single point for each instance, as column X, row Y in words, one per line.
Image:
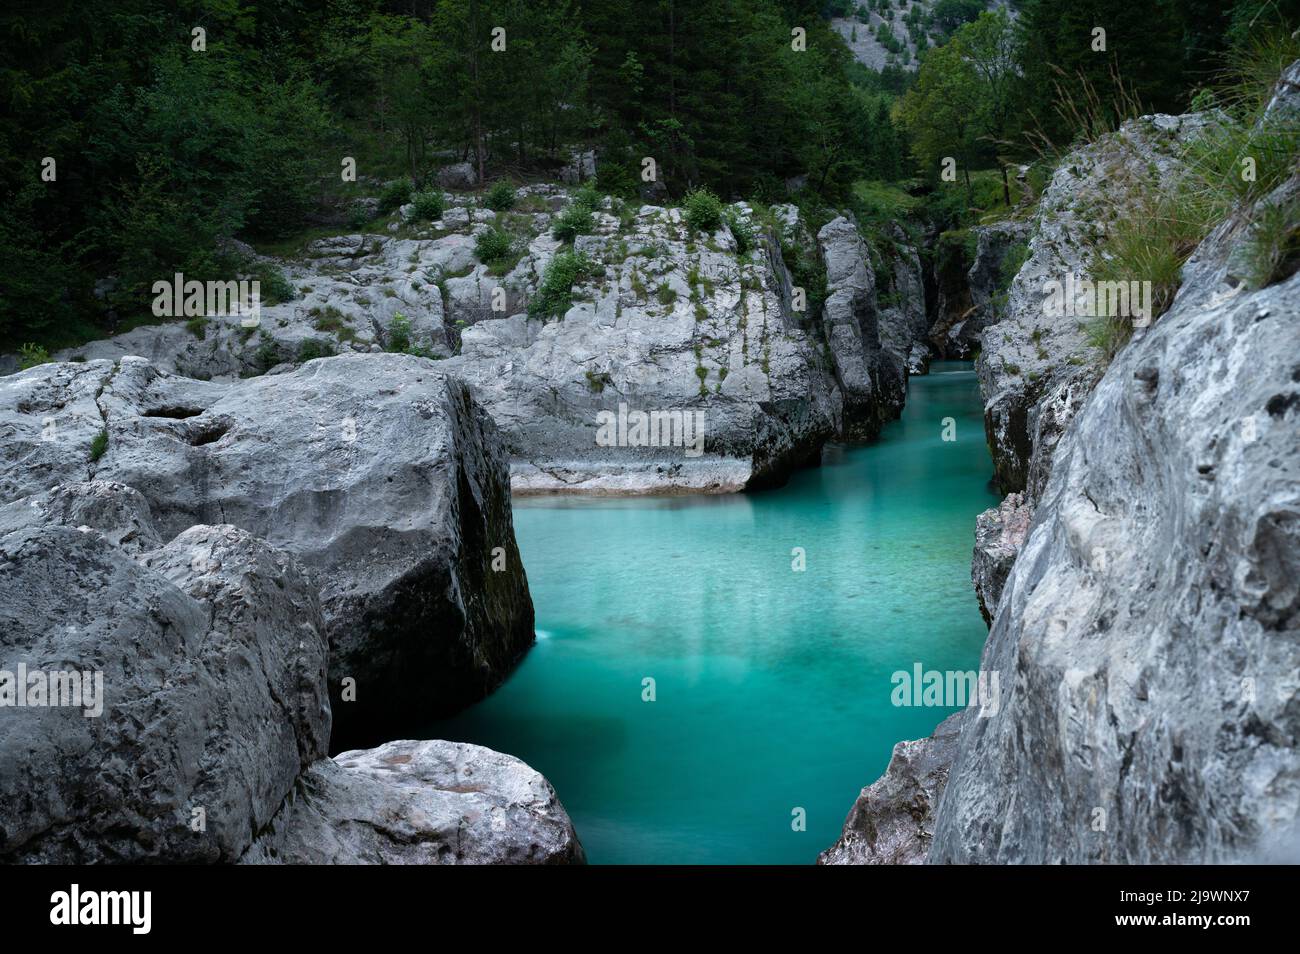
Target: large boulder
column 208, row 660
column 1149, row 632
column 378, row 472
column 419, row 803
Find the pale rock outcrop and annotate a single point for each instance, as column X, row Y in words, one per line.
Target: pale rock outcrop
column 420, row 803
column 670, row 322
column 379, row 472
column 1030, row 353
column 872, row 375
column 211, row 655
column 1147, row 634
column 999, row 534
column 892, row 821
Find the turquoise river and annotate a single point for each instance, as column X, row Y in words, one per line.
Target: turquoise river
column 772, row 687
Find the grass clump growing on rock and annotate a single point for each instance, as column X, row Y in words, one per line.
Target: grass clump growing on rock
column 30, row 355
column 427, row 207
column 574, row 221
column 99, row 445
column 555, row 294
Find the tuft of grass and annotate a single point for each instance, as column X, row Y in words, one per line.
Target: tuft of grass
column 198, row 327
column 1107, row 335
column 665, row 294
column 1272, row 250
column 30, row 355
column 99, row 445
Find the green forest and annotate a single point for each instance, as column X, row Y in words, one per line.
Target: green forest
column 140, row 135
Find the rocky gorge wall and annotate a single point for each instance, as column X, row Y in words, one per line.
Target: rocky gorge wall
column 1142, row 578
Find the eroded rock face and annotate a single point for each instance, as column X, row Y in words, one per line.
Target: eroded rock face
column 676, row 324
column 1146, row 637
column 1151, row 621
column 378, row 472
column 1030, row 354
column 999, row 534
column 420, row 803
column 964, row 313
column 209, row 654
column 871, row 374
column 892, row 822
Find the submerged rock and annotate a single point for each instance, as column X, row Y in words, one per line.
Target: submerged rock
column 420, row 803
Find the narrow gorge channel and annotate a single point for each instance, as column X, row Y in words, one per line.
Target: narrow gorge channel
column 772, row 687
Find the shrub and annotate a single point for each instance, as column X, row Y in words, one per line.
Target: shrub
column 395, row 195
column 501, row 197
column 555, row 294
column 275, row 288
column 615, row 179
column 427, row 207
column 572, row 222
column 703, row 210
column 588, row 197
column 357, row 218
column 741, row 230
column 30, row 355
column 314, row 348
column 399, row 334
column 493, row 245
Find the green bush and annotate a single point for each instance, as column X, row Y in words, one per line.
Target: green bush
column 357, row 218
column 703, row 210
column 314, row 348
column 588, row 197
column 501, row 197
column 395, row 195
column 275, row 288
column 30, row 355
column 741, row 230
column 427, row 207
column 615, row 179
column 572, row 222
column 399, row 334
column 555, row 294
column 493, row 245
